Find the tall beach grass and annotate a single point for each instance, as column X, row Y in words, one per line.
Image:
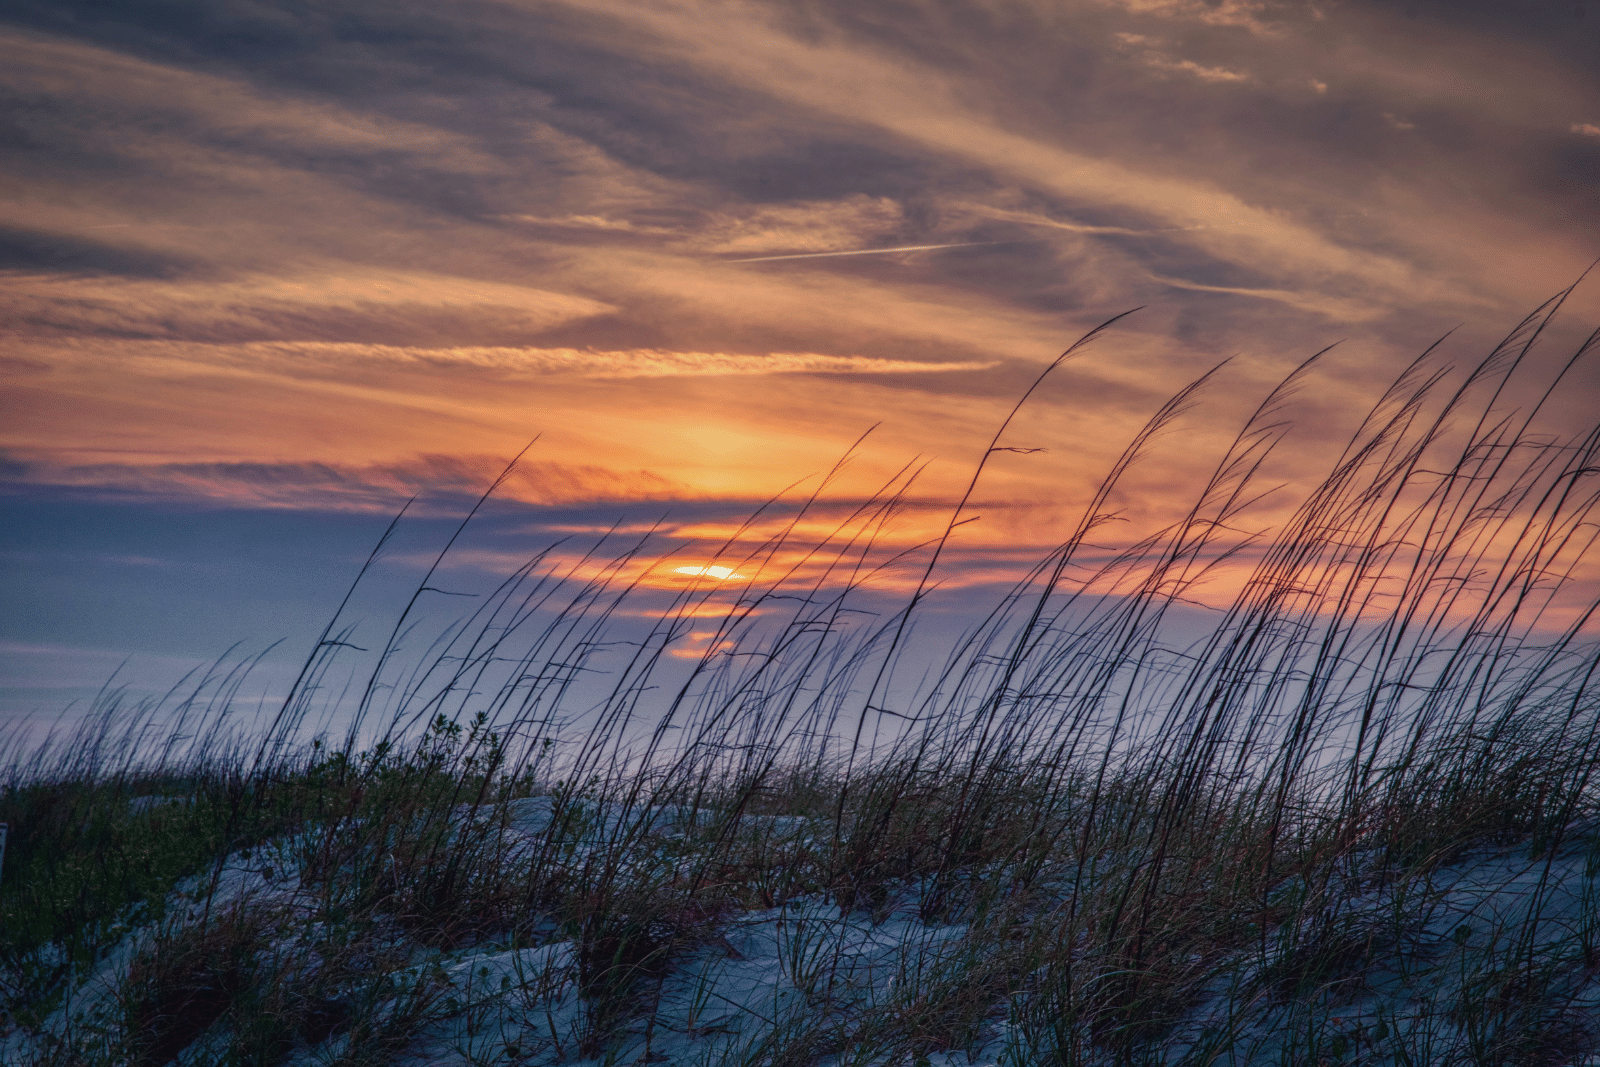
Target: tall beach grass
column 1095, row 829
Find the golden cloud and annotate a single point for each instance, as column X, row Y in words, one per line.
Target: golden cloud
column 806, row 226
column 585, row 363
column 274, row 303
column 1243, row 13
column 345, row 486
column 1189, row 66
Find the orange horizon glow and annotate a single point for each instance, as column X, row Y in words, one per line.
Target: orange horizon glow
column 787, row 256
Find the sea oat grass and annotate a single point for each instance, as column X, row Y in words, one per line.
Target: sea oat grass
column 1348, row 817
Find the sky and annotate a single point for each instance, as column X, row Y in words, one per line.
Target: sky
column 271, row 268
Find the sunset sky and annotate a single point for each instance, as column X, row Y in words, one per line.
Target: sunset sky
column 271, row 267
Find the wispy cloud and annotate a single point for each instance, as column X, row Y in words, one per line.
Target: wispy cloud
column 268, row 305
column 1152, row 56
column 1189, row 66
column 814, row 226
column 1247, row 14
column 869, row 251
column 337, row 486
column 585, row 363
column 926, row 106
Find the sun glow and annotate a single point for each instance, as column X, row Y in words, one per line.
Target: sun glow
column 721, row 574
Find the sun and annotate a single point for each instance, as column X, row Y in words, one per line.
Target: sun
column 721, row 574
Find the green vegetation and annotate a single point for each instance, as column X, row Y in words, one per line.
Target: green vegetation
column 1349, row 820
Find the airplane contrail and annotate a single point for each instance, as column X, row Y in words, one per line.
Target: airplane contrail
column 872, row 251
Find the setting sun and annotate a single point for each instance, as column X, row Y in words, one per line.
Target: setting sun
column 722, row 574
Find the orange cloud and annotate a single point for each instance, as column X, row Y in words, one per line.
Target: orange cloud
column 807, row 226
column 586, row 363
column 266, row 304
column 1189, row 66
column 338, row 486
column 1242, row 13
